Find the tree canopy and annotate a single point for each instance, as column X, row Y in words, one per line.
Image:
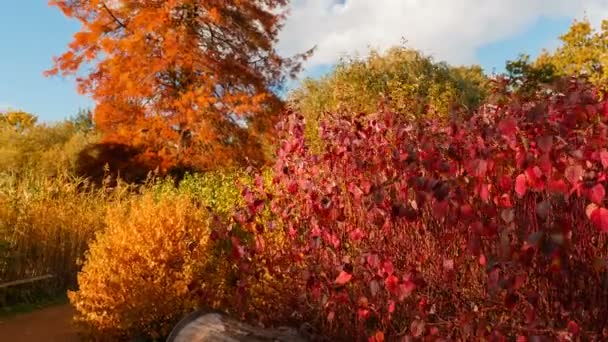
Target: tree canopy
column 187, row 82
column 403, row 79
column 583, row 52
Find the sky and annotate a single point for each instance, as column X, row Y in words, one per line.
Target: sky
column 485, row 32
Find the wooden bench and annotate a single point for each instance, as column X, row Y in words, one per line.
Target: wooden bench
column 26, row 281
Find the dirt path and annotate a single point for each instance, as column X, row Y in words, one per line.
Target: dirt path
column 53, row 324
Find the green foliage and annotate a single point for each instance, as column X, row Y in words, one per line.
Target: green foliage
column 218, row 190
column 403, row 79
column 526, row 76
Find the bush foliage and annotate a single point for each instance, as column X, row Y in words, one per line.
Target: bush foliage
column 477, row 229
column 408, row 200
column 138, row 271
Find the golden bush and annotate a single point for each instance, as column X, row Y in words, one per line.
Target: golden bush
column 137, row 273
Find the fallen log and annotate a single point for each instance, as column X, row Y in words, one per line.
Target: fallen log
column 213, row 326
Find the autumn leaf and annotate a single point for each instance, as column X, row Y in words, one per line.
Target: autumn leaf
column 391, row 306
column 573, row 328
column 507, row 215
column 391, row 283
column 589, row 209
column 557, row 186
column 520, row 185
column 545, row 143
column 604, row 158
column 508, row 127
column 417, row 328
column 599, row 218
column 378, row 337
column 573, row 173
column 343, row 278
column 597, row 193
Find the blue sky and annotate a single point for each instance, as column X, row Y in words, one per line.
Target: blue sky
column 31, row 33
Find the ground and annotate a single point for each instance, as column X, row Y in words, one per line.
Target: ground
column 52, row 324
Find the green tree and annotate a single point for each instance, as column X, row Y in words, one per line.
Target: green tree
column 525, row 76
column 83, row 121
column 403, row 79
column 583, row 52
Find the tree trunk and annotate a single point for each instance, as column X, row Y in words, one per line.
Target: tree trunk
column 208, row 326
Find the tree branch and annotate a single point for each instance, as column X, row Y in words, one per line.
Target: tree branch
column 120, row 23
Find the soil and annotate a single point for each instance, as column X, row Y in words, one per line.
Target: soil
column 53, row 324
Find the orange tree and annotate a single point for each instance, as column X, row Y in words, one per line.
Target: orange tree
column 187, row 82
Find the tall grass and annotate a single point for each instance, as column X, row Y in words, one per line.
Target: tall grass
column 46, row 225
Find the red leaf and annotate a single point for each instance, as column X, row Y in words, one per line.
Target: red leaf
column 508, row 127
column 448, row 264
column 417, row 328
column 557, row 186
column 545, row 143
column 466, row 211
column 406, row 289
column 505, row 183
column 387, row 267
column 482, row 260
column 484, row 192
column 378, row 337
column 508, row 215
column 343, row 278
column 391, row 306
column 391, row 284
column 366, row 186
column 573, row 328
column 573, row 173
column 293, row 187
column 373, row 260
column 604, row 159
column 356, row 191
column 440, row 209
column 356, row 234
column 520, row 185
column 597, row 193
column 363, row 314
column 544, row 163
column 478, row 168
column 590, row 209
column 599, row 218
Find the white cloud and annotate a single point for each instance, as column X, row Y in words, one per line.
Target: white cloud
column 450, row 30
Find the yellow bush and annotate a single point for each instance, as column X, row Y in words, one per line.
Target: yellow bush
column 137, row 272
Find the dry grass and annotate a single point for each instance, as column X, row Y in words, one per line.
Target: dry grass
column 46, row 225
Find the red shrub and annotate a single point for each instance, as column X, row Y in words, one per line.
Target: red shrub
column 479, row 229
